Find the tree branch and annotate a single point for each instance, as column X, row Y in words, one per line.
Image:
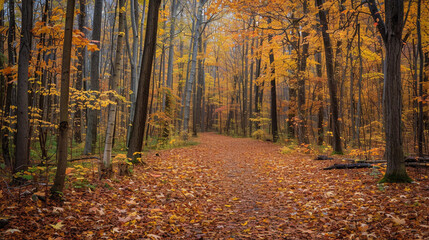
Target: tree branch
column 375, row 13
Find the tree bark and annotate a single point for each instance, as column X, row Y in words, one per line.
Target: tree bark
column 252, row 63
column 259, row 90
column 420, row 129
column 395, row 171
column 113, row 85
column 320, row 110
column 22, row 143
column 60, row 174
column 192, row 74
column 274, row 124
column 391, row 32
column 302, row 66
column 245, row 87
column 92, row 122
column 80, row 74
column 140, row 115
column 359, row 104
column 9, row 87
column 331, row 77
column 170, row 65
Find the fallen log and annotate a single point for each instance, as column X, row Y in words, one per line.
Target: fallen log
column 417, row 164
column 376, row 161
column 349, row 166
column 416, row 159
column 323, row 157
column 83, row 158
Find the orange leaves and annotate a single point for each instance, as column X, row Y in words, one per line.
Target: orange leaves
column 69, row 171
column 92, row 47
column 8, row 70
column 240, row 188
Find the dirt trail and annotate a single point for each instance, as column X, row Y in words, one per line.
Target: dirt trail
column 232, row 188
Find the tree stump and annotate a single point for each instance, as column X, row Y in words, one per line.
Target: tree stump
column 124, row 169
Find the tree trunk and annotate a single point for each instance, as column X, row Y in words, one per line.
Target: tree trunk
column 252, row 62
column 359, row 104
column 113, row 85
column 60, row 174
column 274, row 125
column 80, row 74
column 92, row 122
column 420, row 129
column 259, row 90
column 395, row 171
column 245, row 87
column 169, row 94
column 320, row 110
column 140, row 115
column 9, row 87
column 133, row 59
column 200, row 84
column 22, row 143
column 302, row 66
column 391, row 32
column 331, row 77
column 4, row 99
column 192, row 74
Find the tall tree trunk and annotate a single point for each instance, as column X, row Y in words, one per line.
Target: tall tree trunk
column 420, row 129
column 259, row 90
column 60, row 174
column 302, row 65
column 191, row 42
column 393, row 89
column 22, row 152
column 359, row 104
column 352, row 103
column 140, row 115
column 169, row 94
column 9, row 87
column 331, row 77
column 43, row 99
column 320, row 110
column 141, row 42
column 92, row 122
column 200, row 84
column 113, row 85
column 252, row 63
column 245, row 87
column 4, row 89
column 274, row 125
column 192, row 74
column 80, row 74
column 133, row 59
column 391, row 32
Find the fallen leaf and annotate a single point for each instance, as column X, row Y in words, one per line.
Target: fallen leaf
column 12, row 230
column 396, row 220
column 57, row 226
column 153, row 236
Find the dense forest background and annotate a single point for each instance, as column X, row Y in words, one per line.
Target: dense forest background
column 322, row 75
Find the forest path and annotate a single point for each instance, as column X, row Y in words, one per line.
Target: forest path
column 228, row 188
column 238, row 186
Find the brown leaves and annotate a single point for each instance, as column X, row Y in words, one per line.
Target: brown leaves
column 228, row 188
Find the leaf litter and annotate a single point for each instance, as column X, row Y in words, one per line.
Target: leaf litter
column 229, row 188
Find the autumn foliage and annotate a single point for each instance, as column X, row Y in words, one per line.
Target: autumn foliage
column 290, row 80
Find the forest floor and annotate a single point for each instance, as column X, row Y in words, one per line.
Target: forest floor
column 227, row 188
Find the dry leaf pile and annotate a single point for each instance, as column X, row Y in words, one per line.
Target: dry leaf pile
column 229, row 188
